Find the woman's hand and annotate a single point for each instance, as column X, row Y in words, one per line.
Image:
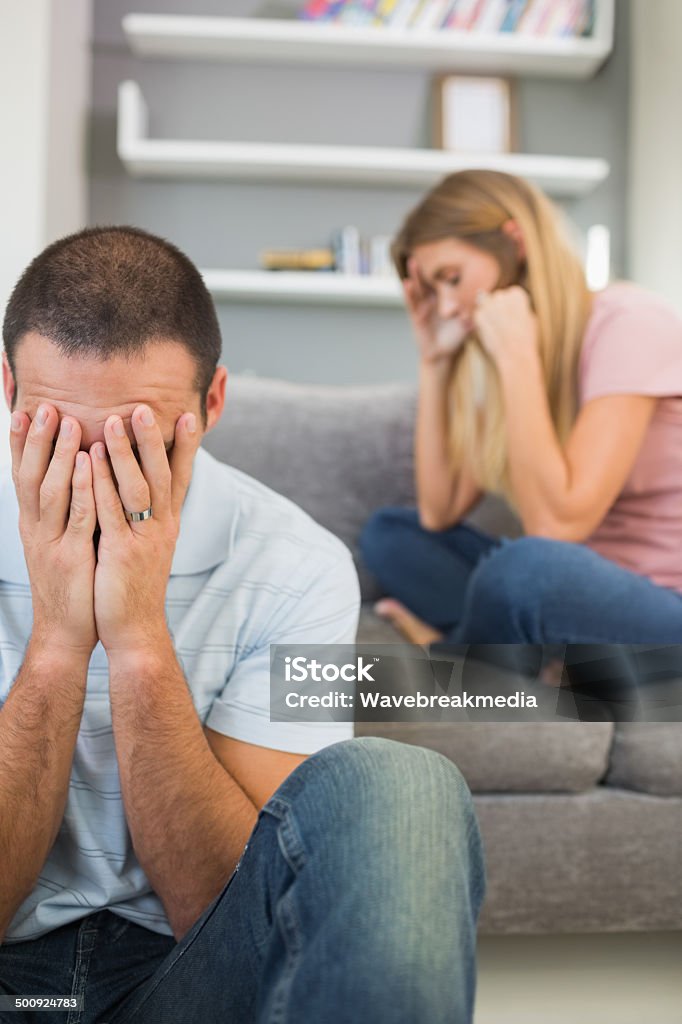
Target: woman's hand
column 506, row 324
column 438, row 340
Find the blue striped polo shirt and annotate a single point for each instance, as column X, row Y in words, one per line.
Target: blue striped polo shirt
column 250, row 569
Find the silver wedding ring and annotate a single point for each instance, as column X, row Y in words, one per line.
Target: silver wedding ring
column 137, row 517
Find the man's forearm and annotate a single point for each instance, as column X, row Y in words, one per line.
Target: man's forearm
column 189, row 820
column 39, row 724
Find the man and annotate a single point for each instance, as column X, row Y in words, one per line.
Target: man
column 167, row 852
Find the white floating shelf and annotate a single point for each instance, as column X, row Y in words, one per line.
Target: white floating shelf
column 369, row 165
column 303, row 287
column 250, row 39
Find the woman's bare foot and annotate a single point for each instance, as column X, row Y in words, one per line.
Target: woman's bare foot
column 552, row 673
column 416, row 630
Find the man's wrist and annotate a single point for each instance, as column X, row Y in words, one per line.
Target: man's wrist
column 140, row 653
column 56, row 663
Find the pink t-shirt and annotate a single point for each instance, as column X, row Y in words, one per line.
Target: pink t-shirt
column 633, row 346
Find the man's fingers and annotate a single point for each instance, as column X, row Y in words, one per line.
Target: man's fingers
column 82, row 513
column 35, row 459
column 181, row 460
column 131, row 481
column 154, row 462
column 110, row 513
column 56, row 485
column 17, row 440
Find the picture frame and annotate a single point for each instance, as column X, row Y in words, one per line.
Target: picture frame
column 474, row 114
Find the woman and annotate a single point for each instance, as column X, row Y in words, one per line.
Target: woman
column 567, row 403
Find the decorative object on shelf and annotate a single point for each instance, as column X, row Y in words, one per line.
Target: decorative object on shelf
column 298, row 259
column 474, row 114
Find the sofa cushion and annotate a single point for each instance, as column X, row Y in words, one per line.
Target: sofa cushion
column 338, row 452
column 647, row 756
column 606, row 860
column 525, row 757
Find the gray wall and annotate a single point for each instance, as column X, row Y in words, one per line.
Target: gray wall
column 227, row 224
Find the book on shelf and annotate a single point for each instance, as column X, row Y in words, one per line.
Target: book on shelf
column 346, row 246
column 384, row 11
column 322, row 10
column 539, row 18
column 433, row 14
column 513, row 15
column 358, row 12
column 492, row 16
column 586, row 19
column 558, row 18
column 572, row 24
column 403, row 13
column 464, row 14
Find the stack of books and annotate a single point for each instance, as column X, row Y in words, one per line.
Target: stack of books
column 546, row 18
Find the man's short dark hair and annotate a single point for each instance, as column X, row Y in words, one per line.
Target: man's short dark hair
column 110, row 291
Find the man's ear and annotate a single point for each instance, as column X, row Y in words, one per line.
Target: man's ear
column 512, row 229
column 215, row 397
column 8, row 384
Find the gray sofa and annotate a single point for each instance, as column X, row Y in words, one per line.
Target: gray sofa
column 582, row 822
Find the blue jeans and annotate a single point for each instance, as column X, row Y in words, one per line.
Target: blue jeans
column 356, row 899
column 479, row 589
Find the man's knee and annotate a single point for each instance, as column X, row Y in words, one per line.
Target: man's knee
column 404, row 767
column 370, row 777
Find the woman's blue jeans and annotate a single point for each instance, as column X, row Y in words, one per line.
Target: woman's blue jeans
column 479, row 589
column 356, row 899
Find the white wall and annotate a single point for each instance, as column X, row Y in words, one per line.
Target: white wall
column 44, row 101
column 656, row 148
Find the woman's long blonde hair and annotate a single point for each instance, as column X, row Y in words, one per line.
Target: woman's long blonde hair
column 472, row 206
